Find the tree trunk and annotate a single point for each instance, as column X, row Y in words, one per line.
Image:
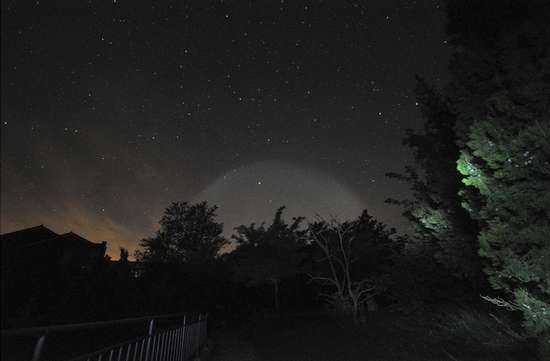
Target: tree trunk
column 355, row 305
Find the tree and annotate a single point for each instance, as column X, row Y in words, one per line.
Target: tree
column 357, row 257
column 124, row 255
column 188, row 233
column 268, row 255
column 441, row 226
column 500, row 87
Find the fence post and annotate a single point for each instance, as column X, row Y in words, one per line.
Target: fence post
column 149, row 336
column 38, row 348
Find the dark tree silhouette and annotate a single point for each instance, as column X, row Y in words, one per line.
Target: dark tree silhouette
column 357, row 257
column 188, row 234
column 268, row 255
column 442, row 228
column 124, row 255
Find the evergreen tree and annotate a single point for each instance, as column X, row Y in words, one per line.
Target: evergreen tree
column 501, row 95
column 441, row 226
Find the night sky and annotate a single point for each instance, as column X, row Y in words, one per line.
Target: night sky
column 112, row 110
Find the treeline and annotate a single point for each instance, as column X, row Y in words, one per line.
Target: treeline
column 347, row 265
column 351, row 267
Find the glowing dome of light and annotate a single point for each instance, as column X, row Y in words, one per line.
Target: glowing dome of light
column 253, row 193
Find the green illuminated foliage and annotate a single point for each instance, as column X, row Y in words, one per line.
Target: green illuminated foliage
column 442, row 228
column 500, row 92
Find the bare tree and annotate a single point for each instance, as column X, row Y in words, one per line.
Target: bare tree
column 349, row 292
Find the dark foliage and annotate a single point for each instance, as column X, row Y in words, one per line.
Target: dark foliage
column 270, row 255
column 353, row 262
column 188, row 233
column 442, row 227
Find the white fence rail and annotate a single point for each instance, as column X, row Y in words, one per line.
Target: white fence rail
column 179, row 342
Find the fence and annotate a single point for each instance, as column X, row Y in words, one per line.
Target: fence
column 178, row 342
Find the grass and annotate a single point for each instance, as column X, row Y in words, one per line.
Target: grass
column 455, row 335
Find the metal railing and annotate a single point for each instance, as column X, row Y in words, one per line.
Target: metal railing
column 179, row 342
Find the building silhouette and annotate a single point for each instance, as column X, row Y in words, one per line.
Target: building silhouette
column 39, row 266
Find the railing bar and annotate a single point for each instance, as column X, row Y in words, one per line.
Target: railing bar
column 176, row 343
column 106, row 349
column 163, row 345
column 192, row 340
column 186, row 341
column 198, row 335
column 176, row 339
column 206, row 327
column 138, row 354
column 199, row 331
column 128, row 350
column 182, row 341
column 167, row 347
column 142, row 348
column 171, row 348
column 136, row 350
column 159, row 347
column 189, row 339
column 149, row 334
column 38, row 348
column 170, row 341
column 119, row 354
column 153, row 344
column 180, row 353
column 194, row 337
column 86, row 325
column 190, row 346
column 166, row 344
column 185, row 338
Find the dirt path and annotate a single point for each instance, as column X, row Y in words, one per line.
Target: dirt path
column 231, row 346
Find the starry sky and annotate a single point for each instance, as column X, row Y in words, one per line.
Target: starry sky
column 110, row 110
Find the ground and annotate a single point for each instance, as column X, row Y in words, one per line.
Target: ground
column 385, row 336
